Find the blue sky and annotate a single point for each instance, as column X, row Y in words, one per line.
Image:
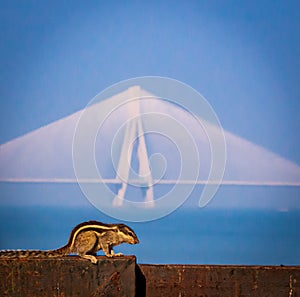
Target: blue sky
column 243, row 56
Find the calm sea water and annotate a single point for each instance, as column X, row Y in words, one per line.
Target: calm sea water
column 200, row 236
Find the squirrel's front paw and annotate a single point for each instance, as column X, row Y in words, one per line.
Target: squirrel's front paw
column 118, row 254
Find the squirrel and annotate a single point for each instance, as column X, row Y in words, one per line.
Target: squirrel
column 85, row 240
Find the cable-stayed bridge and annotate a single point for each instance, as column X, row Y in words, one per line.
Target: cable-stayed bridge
column 45, row 155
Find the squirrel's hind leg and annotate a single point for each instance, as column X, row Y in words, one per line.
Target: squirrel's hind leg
column 85, row 245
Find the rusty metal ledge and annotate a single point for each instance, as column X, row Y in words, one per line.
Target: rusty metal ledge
column 221, row 280
column 67, row 277
column 73, row 276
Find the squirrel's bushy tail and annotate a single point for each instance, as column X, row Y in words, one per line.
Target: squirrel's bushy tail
column 35, row 253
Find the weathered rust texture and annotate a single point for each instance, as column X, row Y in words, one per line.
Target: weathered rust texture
column 73, row 276
column 224, row 281
column 67, row 277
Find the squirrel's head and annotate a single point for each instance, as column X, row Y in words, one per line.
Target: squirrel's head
column 126, row 234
